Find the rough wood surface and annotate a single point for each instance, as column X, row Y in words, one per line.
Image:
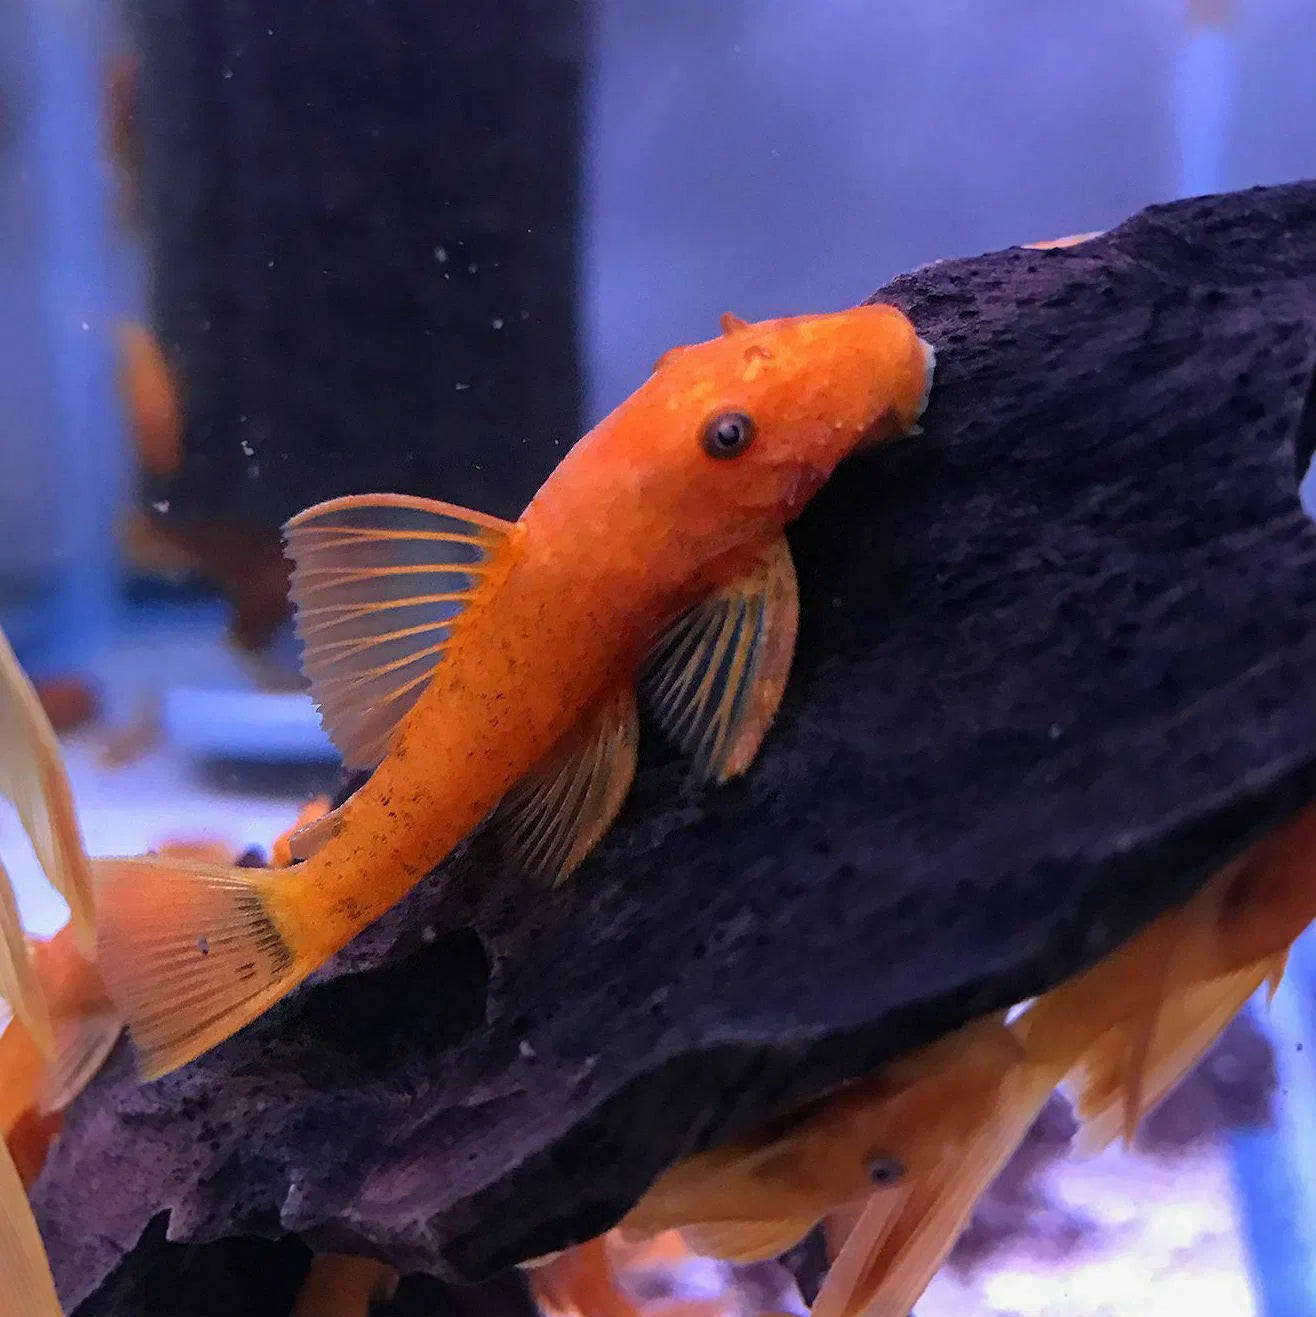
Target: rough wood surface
column 1057, row 663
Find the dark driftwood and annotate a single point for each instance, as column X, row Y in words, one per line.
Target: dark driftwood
column 1057, row 663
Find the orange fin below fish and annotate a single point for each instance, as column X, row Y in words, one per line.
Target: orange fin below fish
column 29, row 1288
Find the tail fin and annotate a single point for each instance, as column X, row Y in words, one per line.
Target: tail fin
column 890, row 1257
column 25, row 1279
column 190, row 954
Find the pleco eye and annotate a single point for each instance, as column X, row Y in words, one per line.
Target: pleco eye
column 728, row 434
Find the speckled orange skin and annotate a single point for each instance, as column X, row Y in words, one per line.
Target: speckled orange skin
column 634, row 525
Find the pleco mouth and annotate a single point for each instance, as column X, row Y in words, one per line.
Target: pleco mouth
column 930, row 368
column 808, row 481
column 883, row 432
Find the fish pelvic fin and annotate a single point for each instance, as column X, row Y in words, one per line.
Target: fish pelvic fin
column 551, row 820
column 25, row 1280
column 190, row 953
column 716, row 675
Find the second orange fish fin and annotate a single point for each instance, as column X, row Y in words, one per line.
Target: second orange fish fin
column 32, row 776
column 19, row 985
column 1188, row 1022
column 380, row 583
column 717, row 674
column 82, row 1045
column 25, row 1280
column 551, row 820
column 190, row 953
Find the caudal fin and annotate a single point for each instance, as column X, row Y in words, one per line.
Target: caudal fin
column 26, row 1285
column 189, row 953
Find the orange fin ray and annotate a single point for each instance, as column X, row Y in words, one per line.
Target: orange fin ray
column 190, row 953
column 380, row 583
column 32, row 776
column 551, row 820
column 19, row 985
column 1188, row 1023
column 716, row 676
column 25, row 1280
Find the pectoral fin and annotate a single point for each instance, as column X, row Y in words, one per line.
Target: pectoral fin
column 381, row 583
column 716, row 676
column 550, row 821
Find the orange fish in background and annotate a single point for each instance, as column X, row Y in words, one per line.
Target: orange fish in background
column 150, row 398
column 916, row 1121
column 1117, row 1038
column 483, row 667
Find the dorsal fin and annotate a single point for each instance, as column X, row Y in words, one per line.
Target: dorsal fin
column 380, row 583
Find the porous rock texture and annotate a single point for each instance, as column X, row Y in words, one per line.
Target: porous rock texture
column 1057, row 663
